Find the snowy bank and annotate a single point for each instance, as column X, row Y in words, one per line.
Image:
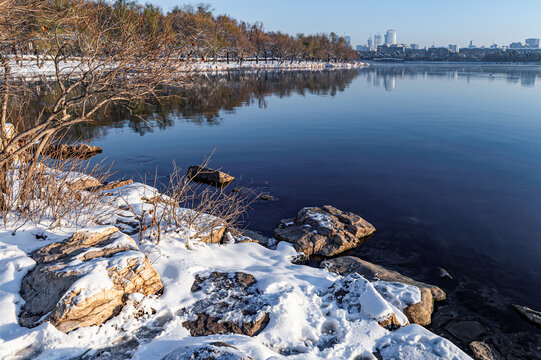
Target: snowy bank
column 311, row 313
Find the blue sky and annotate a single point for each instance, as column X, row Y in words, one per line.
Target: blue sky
column 426, row 22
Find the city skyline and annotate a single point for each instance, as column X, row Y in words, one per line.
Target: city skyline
column 423, row 22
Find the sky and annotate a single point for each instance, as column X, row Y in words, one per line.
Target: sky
column 424, row 22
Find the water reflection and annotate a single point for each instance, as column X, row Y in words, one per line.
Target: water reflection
column 391, row 75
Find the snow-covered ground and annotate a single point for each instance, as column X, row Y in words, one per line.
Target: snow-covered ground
column 30, row 68
column 306, row 320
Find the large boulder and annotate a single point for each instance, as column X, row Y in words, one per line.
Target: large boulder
column 325, row 231
column 209, row 176
column 531, row 315
column 418, row 313
column 231, row 304
column 85, row 280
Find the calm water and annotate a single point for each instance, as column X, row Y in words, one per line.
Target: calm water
column 444, row 160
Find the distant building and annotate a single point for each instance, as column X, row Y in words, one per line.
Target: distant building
column 370, row 42
column 471, row 46
column 377, row 40
column 390, row 37
column 363, row 48
column 414, row 46
column 453, row 47
column 494, row 46
column 348, row 40
column 516, row 45
column 532, row 43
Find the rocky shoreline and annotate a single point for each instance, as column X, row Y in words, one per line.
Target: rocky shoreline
column 243, row 295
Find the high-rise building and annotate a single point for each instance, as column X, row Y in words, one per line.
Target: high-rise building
column 532, row 43
column 453, row 47
column 516, row 45
column 377, row 40
column 370, row 42
column 348, row 40
column 414, row 46
column 390, row 37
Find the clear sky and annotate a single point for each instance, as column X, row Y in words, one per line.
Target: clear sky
column 425, row 22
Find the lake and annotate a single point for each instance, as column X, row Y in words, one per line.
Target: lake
column 443, row 159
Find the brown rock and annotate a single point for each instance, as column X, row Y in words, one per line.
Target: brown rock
column 209, row 176
column 63, row 151
column 56, row 289
column 483, row 351
column 324, row 231
column 421, row 312
column 391, row 323
column 213, row 235
column 213, row 351
column 83, row 183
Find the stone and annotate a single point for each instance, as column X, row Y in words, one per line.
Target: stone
column 483, row 351
column 252, row 236
column 348, row 264
column 213, row 351
column 209, row 176
column 213, row 235
column 466, row 330
column 85, row 279
column 421, row 312
column 63, row 151
column 324, row 231
column 266, row 197
column 231, row 305
column 109, row 186
column 531, row 315
column 83, row 183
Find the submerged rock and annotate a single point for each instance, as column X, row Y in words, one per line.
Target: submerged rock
column 466, row 330
column 85, row 280
column 325, row 231
column 483, row 351
column 529, row 314
column 212, row 351
column 231, row 305
column 209, row 176
column 418, row 313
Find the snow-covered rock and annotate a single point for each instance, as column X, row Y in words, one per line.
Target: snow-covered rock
column 324, row 231
column 84, row 280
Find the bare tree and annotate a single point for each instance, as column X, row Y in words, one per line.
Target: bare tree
column 97, row 55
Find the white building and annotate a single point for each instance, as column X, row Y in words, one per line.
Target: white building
column 390, row 37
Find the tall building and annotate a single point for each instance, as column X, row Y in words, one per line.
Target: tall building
column 414, row 46
column 348, row 40
column 532, row 43
column 377, row 40
column 453, row 47
column 370, row 43
column 390, row 37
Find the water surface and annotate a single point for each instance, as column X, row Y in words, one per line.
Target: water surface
column 444, row 160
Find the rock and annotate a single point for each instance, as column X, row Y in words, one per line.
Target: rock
column 63, row 151
column 483, row 351
column 529, row 314
column 83, row 183
column 231, row 305
column 212, row 236
column 445, row 274
column 85, row 280
column 253, row 236
column 109, row 186
column 212, row 351
column 209, row 176
column 466, row 330
column 349, row 264
column 421, row 312
column 324, row 231
column 266, row 197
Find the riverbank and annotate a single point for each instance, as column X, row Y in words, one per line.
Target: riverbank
column 285, row 310
column 30, row 69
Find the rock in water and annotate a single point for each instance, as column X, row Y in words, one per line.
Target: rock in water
column 529, row 314
column 419, row 313
column 324, row 231
column 209, row 176
column 231, row 305
column 483, row 351
column 84, row 280
column 63, row 151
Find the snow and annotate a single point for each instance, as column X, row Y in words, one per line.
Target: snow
column 306, row 320
column 73, row 66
